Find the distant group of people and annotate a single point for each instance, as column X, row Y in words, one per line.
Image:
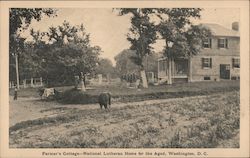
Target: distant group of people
column 130, row 77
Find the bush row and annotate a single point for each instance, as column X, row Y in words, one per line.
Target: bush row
column 74, row 96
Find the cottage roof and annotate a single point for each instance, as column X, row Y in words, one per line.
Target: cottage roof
column 218, row 30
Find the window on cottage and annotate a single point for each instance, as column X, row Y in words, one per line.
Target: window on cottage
column 206, row 62
column 222, row 43
column 207, row 78
column 207, row 43
column 236, row 63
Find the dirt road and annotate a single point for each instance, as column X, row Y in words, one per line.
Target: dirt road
column 25, row 109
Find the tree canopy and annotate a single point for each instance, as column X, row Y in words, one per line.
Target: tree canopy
column 66, row 53
column 106, row 67
column 175, row 27
column 124, row 64
column 141, row 33
column 181, row 37
column 19, row 20
column 65, row 50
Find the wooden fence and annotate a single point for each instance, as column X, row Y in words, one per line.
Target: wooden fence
column 26, row 83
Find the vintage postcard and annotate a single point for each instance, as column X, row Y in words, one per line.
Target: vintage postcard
column 124, row 79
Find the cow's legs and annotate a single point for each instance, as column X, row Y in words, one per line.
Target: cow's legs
column 109, row 100
column 106, row 106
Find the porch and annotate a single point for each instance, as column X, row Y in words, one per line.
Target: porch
column 179, row 70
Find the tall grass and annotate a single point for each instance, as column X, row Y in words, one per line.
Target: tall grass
column 222, row 122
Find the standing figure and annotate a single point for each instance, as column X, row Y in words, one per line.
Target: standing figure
column 15, row 93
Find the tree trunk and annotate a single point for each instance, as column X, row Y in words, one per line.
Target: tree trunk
column 190, row 70
column 77, row 78
column 84, row 80
column 144, row 79
column 169, row 71
column 82, row 85
column 17, row 72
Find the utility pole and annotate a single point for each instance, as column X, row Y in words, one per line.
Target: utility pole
column 17, row 72
column 18, row 45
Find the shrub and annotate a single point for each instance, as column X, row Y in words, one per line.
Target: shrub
column 210, row 137
column 209, row 107
column 224, row 131
column 193, row 131
column 202, row 126
column 193, row 142
column 236, row 122
column 61, row 142
column 152, row 130
column 215, row 119
column 175, row 140
column 74, row 96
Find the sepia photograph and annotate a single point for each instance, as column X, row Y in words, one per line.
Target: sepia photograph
column 125, row 78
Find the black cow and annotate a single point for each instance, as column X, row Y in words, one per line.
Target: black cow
column 104, row 99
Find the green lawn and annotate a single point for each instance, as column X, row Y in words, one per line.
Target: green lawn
column 118, row 90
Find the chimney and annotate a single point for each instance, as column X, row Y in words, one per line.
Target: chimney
column 235, row 26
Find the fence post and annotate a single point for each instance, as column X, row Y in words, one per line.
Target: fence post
column 12, row 84
column 24, row 83
column 108, row 78
column 99, row 79
column 31, row 82
column 41, row 81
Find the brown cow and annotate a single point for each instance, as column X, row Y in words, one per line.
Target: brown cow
column 104, row 99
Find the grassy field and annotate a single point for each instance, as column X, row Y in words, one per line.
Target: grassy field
column 124, row 94
column 197, row 121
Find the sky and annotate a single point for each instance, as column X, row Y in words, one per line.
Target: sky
column 108, row 30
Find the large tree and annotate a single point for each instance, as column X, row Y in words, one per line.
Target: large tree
column 105, row 67
column 141, row 35
column 125, row 65
column 151, row 62
column 19, row 20
column 66, row 54
column 30, row 60
column 183, row 40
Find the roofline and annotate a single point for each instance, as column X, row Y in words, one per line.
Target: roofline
column 206, row 25
column 225, row 36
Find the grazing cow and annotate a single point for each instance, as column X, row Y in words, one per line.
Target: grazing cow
column 40, row 92
column 104, row 99
column 49, row 93
column 46, row 92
